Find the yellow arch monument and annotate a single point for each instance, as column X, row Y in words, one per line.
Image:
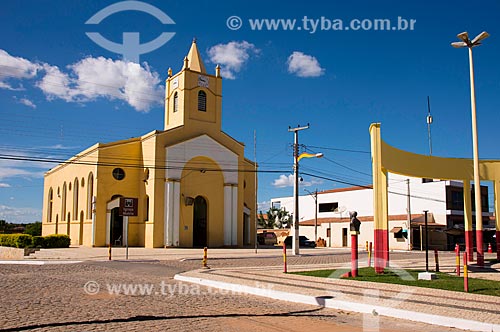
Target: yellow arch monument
column 386, row 158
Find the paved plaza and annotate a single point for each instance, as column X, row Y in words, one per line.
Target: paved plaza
column 142, row 295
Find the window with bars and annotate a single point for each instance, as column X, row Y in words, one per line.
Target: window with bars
column 202, row 101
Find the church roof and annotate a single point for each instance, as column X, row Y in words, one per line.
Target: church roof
column 195, row 62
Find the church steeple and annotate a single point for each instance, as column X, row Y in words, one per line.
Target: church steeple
column 193, row 98
column 194, row 59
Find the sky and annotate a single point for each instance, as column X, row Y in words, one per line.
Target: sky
column 333, row 70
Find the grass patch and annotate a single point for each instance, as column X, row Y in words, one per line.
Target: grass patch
column 410, row 278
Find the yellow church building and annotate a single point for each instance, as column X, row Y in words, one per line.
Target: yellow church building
column 194, row 186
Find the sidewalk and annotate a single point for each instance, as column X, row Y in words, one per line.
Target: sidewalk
column 136, row 253
column 432, row 306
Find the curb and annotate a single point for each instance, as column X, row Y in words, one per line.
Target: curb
column 345, row 305
column 35, row 262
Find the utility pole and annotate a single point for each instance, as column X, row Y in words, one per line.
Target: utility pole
column 255, row 184
column 295, row 243
column 316, row 215
column 426, row 243
column 429, row 122
column 408, row 209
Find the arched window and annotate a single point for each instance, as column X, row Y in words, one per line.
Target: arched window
column 75, row 199
column 146, row 217
column 90, row 195
column 49, row 206
column 202, row 101
column 176, row 102
column 63, row 203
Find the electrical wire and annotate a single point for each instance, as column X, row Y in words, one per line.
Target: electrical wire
column 370, row 187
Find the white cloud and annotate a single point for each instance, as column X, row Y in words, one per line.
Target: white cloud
column 60, row 147
column 263, row 206
column 19, row 215
column 26, row 169
column 231, row 56
column 7, row 172
column 99, row 77
column 86, row 80
column 4, row 185
column 287, row 181
column 26, row 102
column 17, row 68
column 284, row 181
column 55, row 84
column 304, row 65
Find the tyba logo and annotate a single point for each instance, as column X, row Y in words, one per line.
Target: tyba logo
column 131, row 48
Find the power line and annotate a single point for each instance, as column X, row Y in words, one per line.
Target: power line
column 131, row 165
column 341, row 165
column 338, row 149
column 369, row 187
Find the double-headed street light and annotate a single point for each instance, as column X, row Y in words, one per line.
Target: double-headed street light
column 466, row 42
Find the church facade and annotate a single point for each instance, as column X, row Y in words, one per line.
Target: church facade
column 194, row 186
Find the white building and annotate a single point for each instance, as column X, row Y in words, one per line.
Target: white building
column 442, row 199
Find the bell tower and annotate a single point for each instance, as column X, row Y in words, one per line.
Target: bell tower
column 193, row 98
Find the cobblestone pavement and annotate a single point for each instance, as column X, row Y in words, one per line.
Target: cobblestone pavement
column 65, row 298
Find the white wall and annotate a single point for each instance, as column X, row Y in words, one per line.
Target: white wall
column 424, row 196
column 366, row 234
column 429, row 196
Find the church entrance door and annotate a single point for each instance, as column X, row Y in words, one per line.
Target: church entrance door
column 200, row 222
column 116, row 234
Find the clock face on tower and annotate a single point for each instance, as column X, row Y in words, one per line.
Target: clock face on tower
column 203, row 81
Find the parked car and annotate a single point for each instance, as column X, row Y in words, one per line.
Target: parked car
column 303, row 242
column 267, row 238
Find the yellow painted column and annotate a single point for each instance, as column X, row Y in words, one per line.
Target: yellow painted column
column 380, row 202
column 469, row 244
column 496, row 185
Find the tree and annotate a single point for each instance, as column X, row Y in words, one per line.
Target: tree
column 279, row 218
column 34, row 229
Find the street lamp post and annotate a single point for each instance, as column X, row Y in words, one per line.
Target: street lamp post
column 296, row 159
column 466, row 42
column 426, row 243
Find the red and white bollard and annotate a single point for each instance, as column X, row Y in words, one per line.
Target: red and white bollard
column 284, row 258
column 457, row 253
column 466, row 277
column 354, row 255
column 490, row 250
column 370, row 254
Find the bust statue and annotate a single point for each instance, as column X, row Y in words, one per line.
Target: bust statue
column 355, row 223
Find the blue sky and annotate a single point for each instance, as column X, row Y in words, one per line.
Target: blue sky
column 54, row 81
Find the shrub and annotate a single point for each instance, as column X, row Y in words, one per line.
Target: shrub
column 56, row 241
column 16, row 240
column 38, row 241
column 26, row 241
